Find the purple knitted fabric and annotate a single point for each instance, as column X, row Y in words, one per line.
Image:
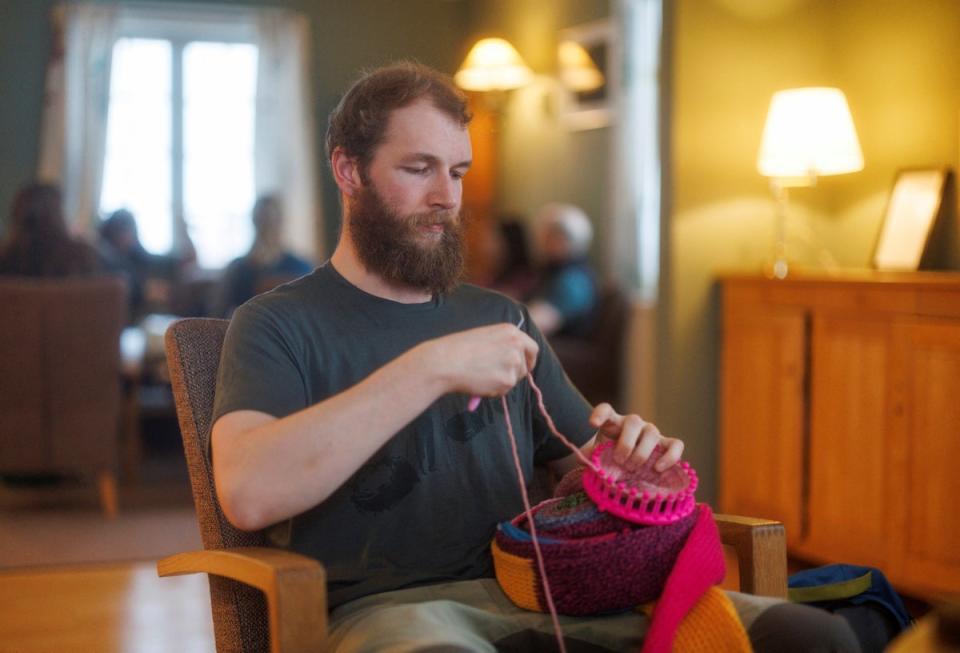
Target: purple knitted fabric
column 596, row 562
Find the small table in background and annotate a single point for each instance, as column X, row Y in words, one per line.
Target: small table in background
column 146, row 384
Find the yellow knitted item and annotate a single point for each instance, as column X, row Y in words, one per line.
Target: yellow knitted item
column 517, row 578
column 712, row 626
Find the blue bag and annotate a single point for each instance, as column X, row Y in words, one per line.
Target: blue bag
column 861, row 595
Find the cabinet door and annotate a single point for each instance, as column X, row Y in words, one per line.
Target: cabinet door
column 930, row 521
column 762, row 414
column 850, row 467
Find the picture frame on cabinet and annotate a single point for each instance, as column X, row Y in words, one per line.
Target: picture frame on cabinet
column 912, row 213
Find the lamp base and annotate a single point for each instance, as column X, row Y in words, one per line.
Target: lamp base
column 781, row 268
column 778, row 269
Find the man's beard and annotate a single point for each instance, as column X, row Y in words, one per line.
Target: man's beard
column 387, row 244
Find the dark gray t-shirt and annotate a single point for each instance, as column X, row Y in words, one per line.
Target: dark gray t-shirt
column 424, row 508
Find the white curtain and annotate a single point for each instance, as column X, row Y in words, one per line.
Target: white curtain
column 635, row 233
column 284, row 144
column 74, row 123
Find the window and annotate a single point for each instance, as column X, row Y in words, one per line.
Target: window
column 180, row 143
column 209, row 106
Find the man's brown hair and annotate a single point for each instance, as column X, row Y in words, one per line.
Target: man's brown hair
column 359, row 121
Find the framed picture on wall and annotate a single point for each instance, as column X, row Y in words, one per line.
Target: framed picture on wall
column 912, row 210
column 585, row 68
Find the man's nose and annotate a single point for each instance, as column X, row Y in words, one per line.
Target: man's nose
column 444, row 193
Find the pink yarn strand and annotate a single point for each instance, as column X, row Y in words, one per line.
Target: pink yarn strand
column 553, row 427
column 526, row 498
column 533, row 529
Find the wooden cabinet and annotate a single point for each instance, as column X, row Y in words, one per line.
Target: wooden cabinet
column 849, row 409
column 840, row 416
column 763, row 395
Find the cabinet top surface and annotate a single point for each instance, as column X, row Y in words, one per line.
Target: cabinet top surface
column 848, row 276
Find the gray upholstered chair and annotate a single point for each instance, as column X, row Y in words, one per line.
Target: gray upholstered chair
column 60, row 378
column 291, row 586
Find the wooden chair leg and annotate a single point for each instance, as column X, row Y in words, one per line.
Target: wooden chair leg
column 107, row 484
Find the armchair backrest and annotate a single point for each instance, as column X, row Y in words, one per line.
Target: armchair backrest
column 60, row 390
column 193, row 355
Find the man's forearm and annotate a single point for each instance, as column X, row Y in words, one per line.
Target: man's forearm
column 269, row 469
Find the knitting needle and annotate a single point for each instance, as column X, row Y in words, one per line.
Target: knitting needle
column 475, row 399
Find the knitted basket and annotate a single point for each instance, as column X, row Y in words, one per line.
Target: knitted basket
column 642, row 495
column 596, row 563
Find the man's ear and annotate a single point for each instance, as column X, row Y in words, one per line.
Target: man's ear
column 346, row 172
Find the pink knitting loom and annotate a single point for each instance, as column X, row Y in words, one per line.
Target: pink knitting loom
column 644, row 495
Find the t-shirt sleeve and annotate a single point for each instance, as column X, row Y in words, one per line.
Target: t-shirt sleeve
column 259, row 367
column 564, row 403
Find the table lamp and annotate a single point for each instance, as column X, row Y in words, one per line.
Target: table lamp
column 809, row 133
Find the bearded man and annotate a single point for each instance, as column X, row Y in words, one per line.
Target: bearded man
column 341, row 417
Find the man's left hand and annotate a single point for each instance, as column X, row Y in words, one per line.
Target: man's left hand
column 635, row 438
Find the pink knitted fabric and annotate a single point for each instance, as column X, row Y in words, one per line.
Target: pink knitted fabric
column 699, row 566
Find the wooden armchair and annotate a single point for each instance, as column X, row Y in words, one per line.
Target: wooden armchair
column 266, row 599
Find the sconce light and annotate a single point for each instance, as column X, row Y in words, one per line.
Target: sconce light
column 578, row 71
column 493, row 65
column 809, row 133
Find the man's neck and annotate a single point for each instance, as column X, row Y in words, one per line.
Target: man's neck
column 348, row 264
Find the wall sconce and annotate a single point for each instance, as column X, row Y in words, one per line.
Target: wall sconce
column 493, row 66
column 809, row 133
column 578, row 72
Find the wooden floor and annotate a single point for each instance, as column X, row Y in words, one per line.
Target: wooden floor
column 108, row 608
column 115, row 608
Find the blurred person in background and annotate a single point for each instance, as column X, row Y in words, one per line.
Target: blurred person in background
column 37, row 243
column 151, row 277
column 268, row 263
column 565, row 299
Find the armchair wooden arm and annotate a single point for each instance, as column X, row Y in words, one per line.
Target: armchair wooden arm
column 294, row 586
column 761, row 548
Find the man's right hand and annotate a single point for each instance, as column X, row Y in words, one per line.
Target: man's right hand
column 486, row 361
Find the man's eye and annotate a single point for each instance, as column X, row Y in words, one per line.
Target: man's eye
column 458, row 174
column 417, row 171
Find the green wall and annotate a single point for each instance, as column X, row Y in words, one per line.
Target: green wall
column 347, row 38
column 24, row 42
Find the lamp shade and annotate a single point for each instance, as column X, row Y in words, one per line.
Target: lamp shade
column 578, row 72
column 809, row 133
column 492, row 65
